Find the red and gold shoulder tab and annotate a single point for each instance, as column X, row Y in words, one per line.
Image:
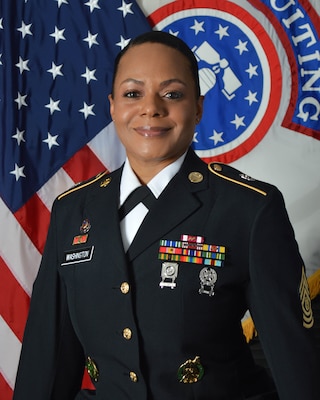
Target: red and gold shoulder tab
column 102, row 177
column 233, row 175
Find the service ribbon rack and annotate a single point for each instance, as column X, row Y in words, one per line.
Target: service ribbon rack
column 192, row 249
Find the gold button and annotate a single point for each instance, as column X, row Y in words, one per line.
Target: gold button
column 217, row 167
column 133, row 376
column 124, row 287
column 195, row 177
column 127, row 333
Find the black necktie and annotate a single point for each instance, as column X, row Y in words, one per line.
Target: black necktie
column 141, row 194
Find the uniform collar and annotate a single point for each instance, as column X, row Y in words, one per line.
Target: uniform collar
column 130, row 182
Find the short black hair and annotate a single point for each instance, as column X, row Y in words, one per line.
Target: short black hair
column 168, row 40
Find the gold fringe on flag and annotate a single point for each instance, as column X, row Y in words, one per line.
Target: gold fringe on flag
column 314, row 284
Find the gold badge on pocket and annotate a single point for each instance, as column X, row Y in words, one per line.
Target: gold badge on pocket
column 191, row 371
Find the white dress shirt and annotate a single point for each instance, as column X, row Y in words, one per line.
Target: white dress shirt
column 129, row 182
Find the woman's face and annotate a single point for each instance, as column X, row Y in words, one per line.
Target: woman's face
column 154, row 104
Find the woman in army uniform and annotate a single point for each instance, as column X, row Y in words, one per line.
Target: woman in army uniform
column 147, row 287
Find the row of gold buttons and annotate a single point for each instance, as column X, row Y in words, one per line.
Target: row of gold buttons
column 127, row 333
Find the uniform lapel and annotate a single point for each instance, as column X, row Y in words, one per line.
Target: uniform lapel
column 178, row 201
column 102, row 206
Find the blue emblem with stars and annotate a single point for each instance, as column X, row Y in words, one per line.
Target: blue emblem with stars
column 235, row 76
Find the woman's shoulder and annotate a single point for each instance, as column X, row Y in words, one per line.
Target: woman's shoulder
column 79, row 188
column 231, row 176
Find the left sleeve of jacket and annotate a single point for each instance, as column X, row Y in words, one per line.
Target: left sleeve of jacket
column 52, row 360
column 280, row 304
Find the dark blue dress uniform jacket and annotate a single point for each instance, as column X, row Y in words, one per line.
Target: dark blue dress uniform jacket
column 92, row 300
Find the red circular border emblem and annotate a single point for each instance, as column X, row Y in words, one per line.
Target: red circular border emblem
column 270, row 54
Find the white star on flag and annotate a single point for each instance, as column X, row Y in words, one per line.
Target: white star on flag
column 89, row 75
column 18, row 172
column 19, row 136
column 123, row 42
column 60, row 2
column 87, row 110
column 58, row 34
column 22, row 65
column 55, row 70
column 125, row 8
column 25, row 29
column 91, row 39
column 21, row 100
column 92, row 4
column 51, row 140
column 53, row 106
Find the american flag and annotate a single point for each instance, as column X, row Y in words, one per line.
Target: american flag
column 56, row 64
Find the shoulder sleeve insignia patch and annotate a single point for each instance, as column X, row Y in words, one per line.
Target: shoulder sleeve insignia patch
column 219, row 170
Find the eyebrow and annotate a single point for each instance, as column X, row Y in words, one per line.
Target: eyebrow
column 162, row 84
